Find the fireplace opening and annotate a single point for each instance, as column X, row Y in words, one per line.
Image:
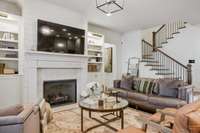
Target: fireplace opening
column 60, row 92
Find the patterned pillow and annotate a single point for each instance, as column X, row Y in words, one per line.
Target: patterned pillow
column 144, row 86
column 153, row 87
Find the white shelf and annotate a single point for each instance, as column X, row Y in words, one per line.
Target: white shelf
column 95, row 62
column 93, row 56
column 93, row 50
column 8, row 50
column 99, row 45
column 9, row 41
column 8, row 59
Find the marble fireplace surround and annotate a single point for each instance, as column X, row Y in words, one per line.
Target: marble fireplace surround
column 43, row 66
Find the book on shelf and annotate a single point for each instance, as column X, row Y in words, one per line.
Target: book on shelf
column 8, row 71
column 2, row 67
column 11, row 55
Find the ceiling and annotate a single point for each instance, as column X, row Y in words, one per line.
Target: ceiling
column 138, row 14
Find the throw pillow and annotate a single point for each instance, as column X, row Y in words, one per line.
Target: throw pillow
column 169, row 87
column 144, row 86
column 127, row 82
column 155, row 88
column 14, row 110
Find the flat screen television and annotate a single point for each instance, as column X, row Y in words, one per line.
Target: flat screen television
column 59, row 38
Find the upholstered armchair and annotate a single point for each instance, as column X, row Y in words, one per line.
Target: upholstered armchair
column 170, row 120
column 20, row 119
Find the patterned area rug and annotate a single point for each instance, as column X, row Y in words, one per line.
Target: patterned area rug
column 69, row 121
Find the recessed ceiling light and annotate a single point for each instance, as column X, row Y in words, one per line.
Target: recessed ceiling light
column 57, row 35
column 60, row 45
column 70, row 38
column 45, row 30
column 69, row 34
column 76, row 37
column 64, row 29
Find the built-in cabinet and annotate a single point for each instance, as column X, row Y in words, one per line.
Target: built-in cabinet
column 97, row 55
column 9, row 45
column 95, row 52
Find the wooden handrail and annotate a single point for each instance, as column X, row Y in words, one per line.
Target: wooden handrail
column 156, row 49
column 160, row 28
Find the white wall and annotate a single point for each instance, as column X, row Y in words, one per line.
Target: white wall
column 131, row 47
column 10, row 7
column 39, row 9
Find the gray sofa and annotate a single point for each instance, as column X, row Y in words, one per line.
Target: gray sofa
column 152, row 94
column 23, row 119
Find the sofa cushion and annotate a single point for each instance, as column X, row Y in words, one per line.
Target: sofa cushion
column 122, row 92
column 169, row 92
column 137, row 96
column 166, row 101
column 127, row 82
column 14, row 110
column 169, row 87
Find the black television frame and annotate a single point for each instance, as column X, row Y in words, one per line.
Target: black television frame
column 65, row 27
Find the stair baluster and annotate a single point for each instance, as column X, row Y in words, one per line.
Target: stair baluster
column 164, row 65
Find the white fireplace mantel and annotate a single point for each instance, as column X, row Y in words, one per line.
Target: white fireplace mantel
column 41, row 66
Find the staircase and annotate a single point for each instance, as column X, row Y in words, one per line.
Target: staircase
column 164, row 65
column 166, row 32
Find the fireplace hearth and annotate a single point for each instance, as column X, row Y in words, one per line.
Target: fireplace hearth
column 60, row 92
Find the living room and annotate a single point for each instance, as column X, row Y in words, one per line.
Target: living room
column 131, row 64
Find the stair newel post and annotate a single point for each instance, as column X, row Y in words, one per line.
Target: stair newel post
column 154, row 41
column 189, row 74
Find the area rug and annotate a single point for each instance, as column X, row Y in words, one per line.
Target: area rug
column 69, row 121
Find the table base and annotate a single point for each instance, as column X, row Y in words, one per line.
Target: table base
column 119, row 115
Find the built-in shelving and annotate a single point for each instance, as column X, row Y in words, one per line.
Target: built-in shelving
column 9, row 46
column 9, row 59
column 95, row 62
column 95, row 52
column 9, row 41
column 9, row 50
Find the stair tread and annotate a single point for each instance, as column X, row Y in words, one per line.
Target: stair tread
column 153, row 65
column 159, row 47
column 148, row 58
column 159, row 69
column 176, row 32
column 182, row 27
column 152, row 61
column 147, row 55
column 170, row 37
column 164, row 73
column 164, row 42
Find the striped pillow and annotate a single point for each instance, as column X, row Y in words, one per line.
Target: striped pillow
column 144, row 86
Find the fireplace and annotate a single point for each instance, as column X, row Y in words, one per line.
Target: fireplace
column 60, row 92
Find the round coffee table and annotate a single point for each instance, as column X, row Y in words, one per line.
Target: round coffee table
column 110, row 106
